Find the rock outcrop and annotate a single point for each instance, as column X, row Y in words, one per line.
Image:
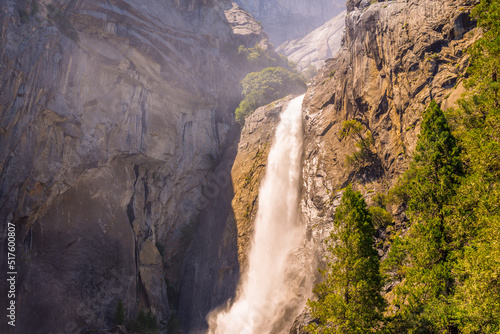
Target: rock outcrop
column 248, row 31
column 113, row 116
column 397, row 57
column 285, row 20
column 316, row 47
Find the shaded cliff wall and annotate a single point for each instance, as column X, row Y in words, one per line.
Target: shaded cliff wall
column 226, row 225
column 113, row 116
column 214, row 258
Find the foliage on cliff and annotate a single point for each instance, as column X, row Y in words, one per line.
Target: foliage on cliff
column 449, row 261
column 364, row 142
column 258, row 58
column 270, row 77
column 444, row 268
column 424, row 256
column 270, row 84
column 476, row 215
column 349, row 299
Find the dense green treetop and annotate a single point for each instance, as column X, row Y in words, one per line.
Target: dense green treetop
column 349, row 299
column 266, row 86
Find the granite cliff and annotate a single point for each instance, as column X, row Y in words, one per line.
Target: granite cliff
column 319, row 45
column 114, row 116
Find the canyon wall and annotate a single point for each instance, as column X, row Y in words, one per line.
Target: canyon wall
column 113, row 118
column 397, row 57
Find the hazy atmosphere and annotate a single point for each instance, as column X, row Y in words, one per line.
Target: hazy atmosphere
column 250, row 166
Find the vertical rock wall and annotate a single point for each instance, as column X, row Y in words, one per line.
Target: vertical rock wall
column 113, row 115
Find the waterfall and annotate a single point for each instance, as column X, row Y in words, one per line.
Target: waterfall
column 266, row 301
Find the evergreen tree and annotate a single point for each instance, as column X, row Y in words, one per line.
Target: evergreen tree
column 424, row 257
column 120, row 313
column 349, row 299
column 476, row 216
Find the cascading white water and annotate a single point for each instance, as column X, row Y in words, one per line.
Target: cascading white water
column 263, row 296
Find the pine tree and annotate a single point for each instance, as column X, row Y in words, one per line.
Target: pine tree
column 427, row 189
column 476, row 218
column 120, row 313
column 349, row 299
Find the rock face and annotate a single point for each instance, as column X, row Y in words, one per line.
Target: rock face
column 113, row 116
column 393, row 63
column 211, row 269
column 291, row 19
column 246, row 28
column 397, row 56
column 316, row 47
column 249, row 167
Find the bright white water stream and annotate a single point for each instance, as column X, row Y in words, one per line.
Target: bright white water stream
column 264, row 294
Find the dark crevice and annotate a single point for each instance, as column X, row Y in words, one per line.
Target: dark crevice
column 131, row 218
column 330, row 101
column 326, row 129
column 437, row 46
column 382, row 109
column 146, row 192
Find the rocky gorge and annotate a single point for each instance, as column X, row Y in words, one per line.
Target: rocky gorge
column 127, row 177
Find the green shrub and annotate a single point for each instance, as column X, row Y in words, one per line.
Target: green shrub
column 258, row 58
column 380, row 199
column 261, row 88
column 380, row 217
column 364, row 143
